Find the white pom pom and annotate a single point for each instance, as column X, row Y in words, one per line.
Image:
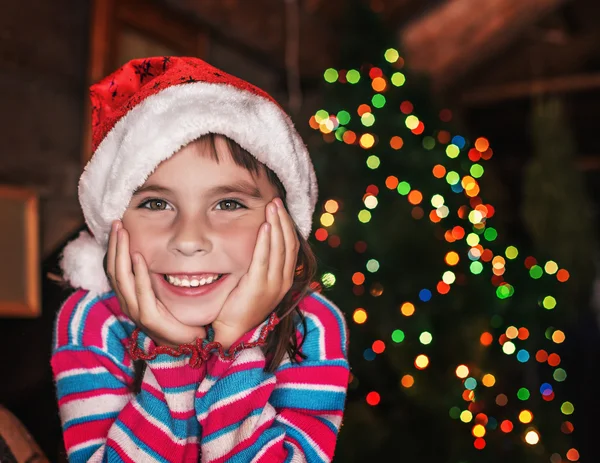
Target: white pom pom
column 82, row 264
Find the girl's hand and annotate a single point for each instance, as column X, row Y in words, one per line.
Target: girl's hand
column 267, row 281
column 137, row 298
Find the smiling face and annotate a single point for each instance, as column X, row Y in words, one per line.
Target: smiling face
column 195, row 219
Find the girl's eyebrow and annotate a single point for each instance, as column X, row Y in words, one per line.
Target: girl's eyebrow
column 153, row 188
column 242, row 186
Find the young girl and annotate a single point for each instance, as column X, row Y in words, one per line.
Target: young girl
column 194, row 334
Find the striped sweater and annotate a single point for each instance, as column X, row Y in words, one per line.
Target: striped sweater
column 227, row 410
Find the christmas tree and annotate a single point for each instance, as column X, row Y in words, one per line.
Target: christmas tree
column 455, row 332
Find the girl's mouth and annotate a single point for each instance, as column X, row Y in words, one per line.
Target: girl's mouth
column 192, row 282
column 192, row 286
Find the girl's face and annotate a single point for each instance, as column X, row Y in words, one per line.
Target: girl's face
column 195, row 219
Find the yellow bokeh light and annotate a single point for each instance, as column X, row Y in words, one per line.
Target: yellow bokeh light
column 422, row 361
column 332, row 206
column 478, row 430
column 412, row 122
column 525, row 417
column 452, row 258
column 551, row 267
column 462, row 371
column 466, row 416
column 359, row 316
column 367, row 140
column 472, row 239
column 407, row 309
column 327, row 219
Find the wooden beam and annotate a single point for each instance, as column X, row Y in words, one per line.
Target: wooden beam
column 452, row 38
column 526, row 89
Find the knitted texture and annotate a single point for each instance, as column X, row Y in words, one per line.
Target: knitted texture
column 226, row 409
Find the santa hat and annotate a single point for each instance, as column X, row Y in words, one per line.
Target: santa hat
column 144, row 113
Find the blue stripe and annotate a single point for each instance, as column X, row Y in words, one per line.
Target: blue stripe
column 231, row 427
column 179, row 389
column 85, row 382
column 139, row 443
column 90, row 418
column 317, row 363
column 307, row 399
column 159, row 410
column 84, row 454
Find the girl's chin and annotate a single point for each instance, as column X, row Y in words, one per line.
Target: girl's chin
column 192, row 316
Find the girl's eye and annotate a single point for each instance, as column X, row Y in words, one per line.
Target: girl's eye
column 155, row 205
column 229, row 205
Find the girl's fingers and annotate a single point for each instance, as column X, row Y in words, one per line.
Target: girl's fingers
column 290, row 239
column 143, row 290
column 260, row 258
column 277, row 252
column 123, row 273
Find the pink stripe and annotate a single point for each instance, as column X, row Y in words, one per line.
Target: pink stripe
column 178, row 376
column 98, row 316
column 67, row 360
column 84, row 432
column 314, row 375
column 139, row 425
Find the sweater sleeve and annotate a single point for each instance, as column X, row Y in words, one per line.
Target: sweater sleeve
column 102, row 419
column 293, row 414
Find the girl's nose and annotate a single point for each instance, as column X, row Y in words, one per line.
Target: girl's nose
column 190, row 237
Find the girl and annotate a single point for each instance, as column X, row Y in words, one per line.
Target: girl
column 205, row 341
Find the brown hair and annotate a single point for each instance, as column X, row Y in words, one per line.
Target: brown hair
column 283, row 340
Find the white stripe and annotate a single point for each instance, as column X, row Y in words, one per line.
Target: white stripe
column 80, row 371
column 99, row 404
column 311, row 387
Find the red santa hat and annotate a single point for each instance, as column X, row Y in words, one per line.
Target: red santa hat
column 144, row 113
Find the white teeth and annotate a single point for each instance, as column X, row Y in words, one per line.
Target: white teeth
column 194, row 283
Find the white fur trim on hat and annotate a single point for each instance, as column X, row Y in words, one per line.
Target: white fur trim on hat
column 82, row 264
column 163, row 123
